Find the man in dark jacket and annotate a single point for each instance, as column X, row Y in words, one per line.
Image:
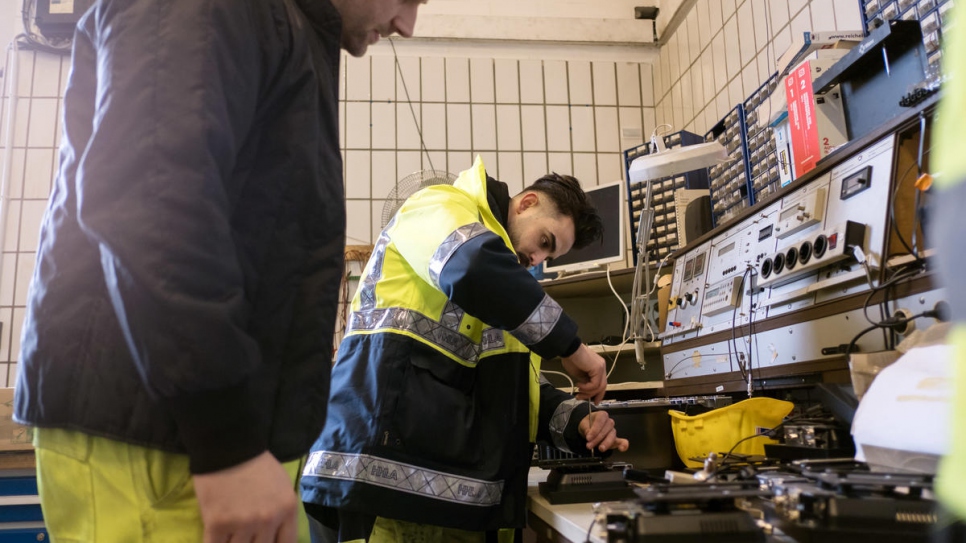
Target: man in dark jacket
column 175, row 350
column 436, row 394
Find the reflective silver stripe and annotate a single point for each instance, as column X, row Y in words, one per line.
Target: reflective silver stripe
column 367, row 291
column 411, row 321
column 449, row 246
column 452, row 316
column 404, row 477
column 492, row 339
column 444, row 334
column 435, row 333
column 559, row 421
column 539, row 323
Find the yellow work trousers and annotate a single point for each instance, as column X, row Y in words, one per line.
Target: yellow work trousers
column 396, row 531
column 94, row 489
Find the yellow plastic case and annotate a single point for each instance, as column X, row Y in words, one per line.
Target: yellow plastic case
column 719, row 430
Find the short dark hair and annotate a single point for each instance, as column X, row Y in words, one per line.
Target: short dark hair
column 571, row 200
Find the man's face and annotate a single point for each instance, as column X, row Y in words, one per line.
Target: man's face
column 365, row 21
column 537, row 231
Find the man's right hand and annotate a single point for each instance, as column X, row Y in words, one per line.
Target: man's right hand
column 253, row 501
column 589, row 371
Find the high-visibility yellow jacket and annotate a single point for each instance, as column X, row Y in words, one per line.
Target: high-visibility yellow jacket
column 435, row 395
column 948, row 226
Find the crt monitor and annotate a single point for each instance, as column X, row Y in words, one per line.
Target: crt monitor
column 610, row 204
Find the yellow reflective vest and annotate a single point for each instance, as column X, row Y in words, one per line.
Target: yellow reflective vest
column 435, row 394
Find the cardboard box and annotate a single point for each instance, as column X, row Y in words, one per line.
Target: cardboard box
column 807, row 42
column 863, row 368
column 13, row 437
column 816, row 123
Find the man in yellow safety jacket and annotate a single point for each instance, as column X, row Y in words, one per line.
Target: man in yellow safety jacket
column 435, row 395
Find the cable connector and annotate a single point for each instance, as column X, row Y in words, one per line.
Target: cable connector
column 859, row 254
column 639, row 352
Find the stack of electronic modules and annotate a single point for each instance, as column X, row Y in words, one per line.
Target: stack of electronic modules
column 729, row 181
column 933, row 16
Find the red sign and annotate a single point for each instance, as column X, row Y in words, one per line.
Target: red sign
column 802, row 128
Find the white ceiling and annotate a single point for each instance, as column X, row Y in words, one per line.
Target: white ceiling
column 552, row 21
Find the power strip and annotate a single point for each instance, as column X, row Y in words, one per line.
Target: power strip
column 810, row 253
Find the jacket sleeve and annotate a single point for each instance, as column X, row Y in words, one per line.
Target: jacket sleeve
column 177, row 90
column 475, row 269
column 559, row 419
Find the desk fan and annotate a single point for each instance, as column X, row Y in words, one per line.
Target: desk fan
column 409, row 185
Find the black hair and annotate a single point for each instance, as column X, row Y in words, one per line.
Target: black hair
column 571, row 200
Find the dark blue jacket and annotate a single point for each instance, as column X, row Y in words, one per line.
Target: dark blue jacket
column 188, row 271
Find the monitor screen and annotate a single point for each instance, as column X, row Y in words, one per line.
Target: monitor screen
column 609, row 200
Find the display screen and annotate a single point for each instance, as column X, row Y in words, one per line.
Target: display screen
column 765, row 232
column 699, row 265
column 789, row 213
column 610, row 204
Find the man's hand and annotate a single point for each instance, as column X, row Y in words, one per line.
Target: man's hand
column 598, row 429
column 589, row 371
column 253, row 501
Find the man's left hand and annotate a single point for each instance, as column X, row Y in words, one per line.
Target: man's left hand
column 599, row 431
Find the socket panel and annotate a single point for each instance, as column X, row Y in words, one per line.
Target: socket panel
column 810, row 253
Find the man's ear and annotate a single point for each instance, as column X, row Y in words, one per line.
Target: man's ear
column 528, row 200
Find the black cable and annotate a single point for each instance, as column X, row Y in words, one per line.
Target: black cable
column 419, row 130
column 888, row 331
column 892, row 281
column 891, row 324
column 589, row 530
column 671, row 371
column 848, row 350
column 752, row 335
column 767, row 433
column 892, row 206
column 734, row 341
column 919, row 158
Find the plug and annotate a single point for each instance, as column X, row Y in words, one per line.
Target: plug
column 902, row 322
column 940, row 311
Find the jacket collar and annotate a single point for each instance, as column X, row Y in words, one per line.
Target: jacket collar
column 323, row 16
column 474, row 182
column 498, row 196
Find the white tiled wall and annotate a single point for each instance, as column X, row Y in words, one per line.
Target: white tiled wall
column 725, row 49
column 524, row 117
column 40, row 82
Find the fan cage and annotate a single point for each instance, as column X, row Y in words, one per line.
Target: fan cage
column 409, row 185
